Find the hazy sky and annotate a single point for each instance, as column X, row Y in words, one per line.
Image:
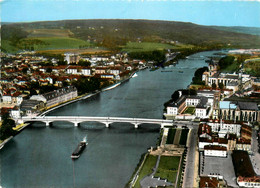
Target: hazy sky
column 221, row 12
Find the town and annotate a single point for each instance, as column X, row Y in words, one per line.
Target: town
column 31, row 84
column 215, row 122
column 215, row 133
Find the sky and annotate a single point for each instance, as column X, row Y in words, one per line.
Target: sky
column 203, row 12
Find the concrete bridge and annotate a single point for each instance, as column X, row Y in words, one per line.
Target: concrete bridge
column 76, row 120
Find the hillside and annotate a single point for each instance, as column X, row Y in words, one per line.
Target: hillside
column 246, row 30
column 116, row 34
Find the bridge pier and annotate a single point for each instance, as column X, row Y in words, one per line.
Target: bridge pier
column 165, row 124
column 136, row 125
column 47, row 123
column 76, row 124
column 107, row 125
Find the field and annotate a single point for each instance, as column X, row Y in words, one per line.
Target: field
column 170, row 136
column 146, row 46
column 168, row 168
column 49, row 33
column 189, row 110
column 149, row 163
column 58, row 43
column 231, row 68
column 184, row 135
column 177, row 136
column 5, row 44
column 253, row 67
column 79, row 51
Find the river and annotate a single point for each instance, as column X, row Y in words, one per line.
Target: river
column 40, row 156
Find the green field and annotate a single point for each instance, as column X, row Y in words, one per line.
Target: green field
column 6, row 46
column 231, row 68
column 146, row 46
column 49, row 33
column 189, row 110
column 58, row 43
column 168, row 168
column 170, row 136
column 149, row 164
column 253, row 67
column 184, row 135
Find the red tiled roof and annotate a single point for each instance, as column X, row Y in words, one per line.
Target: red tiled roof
column 214, row 147
column 208, row 182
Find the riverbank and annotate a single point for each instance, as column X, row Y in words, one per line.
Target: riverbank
column 5, row 141
column 86, row 96
column 118, row 148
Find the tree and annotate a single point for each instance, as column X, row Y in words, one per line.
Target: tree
column 6, row 129
column 197, row 79
column 175, row 95
column 49, row 70
column 84, row 63
column 25, row 69
column 221, row 85
column 225, row 61
column 33, row 92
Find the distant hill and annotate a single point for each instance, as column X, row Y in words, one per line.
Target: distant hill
column 117, row 33
column 238, row 29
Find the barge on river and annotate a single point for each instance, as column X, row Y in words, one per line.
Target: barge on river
column 80, row 148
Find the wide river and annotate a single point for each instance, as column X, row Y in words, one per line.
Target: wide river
column 40, row 156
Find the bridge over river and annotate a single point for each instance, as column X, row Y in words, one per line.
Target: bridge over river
column 76, row 120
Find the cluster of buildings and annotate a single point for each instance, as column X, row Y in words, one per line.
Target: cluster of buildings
column 227, row 108
column 202, row 104
column 19, row 73
column 214, row 103
column 216, row 138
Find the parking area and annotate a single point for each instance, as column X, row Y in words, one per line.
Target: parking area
column 218, row 166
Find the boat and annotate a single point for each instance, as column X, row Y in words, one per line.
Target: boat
column 79, row 149
column 134, row 75
column 111, row 87
column 180, row 71
column 166, row 70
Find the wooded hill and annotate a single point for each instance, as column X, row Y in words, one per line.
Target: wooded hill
column 115, row 34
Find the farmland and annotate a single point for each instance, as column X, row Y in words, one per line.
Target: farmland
column 146, row 46
column 50, row 43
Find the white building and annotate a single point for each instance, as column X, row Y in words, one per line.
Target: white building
column 86, row 71
column 248, row 182
column 215, row 151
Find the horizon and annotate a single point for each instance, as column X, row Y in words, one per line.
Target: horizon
column 126, row 19
column 207, row 13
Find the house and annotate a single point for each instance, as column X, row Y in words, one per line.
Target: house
column 12, row 96
column 73, row 70
column 212, row 182
column 238, row 111
column 200, row 103
column 31, row 107
column 86, row 71
column 101, row 70
column 106, row 76
column 15, row 113
column 71, row 58
column 216, row 151
column 225, row 134
column 115, row 70
column 57, row 96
